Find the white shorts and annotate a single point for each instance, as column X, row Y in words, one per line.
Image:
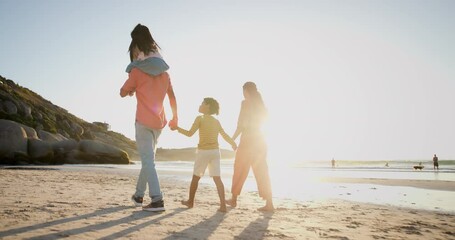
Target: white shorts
column 210, row 158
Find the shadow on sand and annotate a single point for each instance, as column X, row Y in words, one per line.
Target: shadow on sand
column 61, row 221
column 94, row 227
column 256, row 229
column 203, row 229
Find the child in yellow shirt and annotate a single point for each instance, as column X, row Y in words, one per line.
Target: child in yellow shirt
column 208, row 153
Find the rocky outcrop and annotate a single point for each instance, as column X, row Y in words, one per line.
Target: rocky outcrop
column 13, row 139
column 9, row 107
column 40, row 150
column 19, row 147
column 46, row 136
column 33, row 130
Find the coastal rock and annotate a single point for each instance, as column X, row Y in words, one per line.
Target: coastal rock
column 63, row 133
column 27, row 111
column 10, row 108
column 65, row 145
column 80, row 157
column 13, row 139
column 41, row 150
column 47, row 136
column 103, row 152
column 64, row 123
column 38, row 115
column 35, row 131
column 31, row 133
column 77, row 129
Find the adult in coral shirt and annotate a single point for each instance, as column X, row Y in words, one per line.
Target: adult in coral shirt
column 150, row 82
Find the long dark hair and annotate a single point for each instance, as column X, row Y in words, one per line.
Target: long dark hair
column 143, row 40
column 258, row 106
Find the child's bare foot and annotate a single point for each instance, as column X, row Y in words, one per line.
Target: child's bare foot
column 187, row 203
column 266, row 209
column 222, row 209
column 231, row 203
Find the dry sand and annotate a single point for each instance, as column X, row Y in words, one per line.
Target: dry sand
column 53, row 204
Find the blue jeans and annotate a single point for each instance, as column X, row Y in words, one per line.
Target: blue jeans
column 146, row 139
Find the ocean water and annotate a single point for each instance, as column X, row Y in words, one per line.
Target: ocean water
column 306, row 182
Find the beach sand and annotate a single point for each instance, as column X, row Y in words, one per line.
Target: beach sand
column 76, row 204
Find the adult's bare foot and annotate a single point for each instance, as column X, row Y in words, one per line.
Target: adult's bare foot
column 187, row 203
column 231, row 203
column 266, row 209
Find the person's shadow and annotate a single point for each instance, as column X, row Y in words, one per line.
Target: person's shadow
column 142, row 225
column 61, row 221
column 256, row 229
column 202, row 230
column 94, row 227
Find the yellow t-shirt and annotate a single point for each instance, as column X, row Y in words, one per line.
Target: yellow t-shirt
column 209, row 128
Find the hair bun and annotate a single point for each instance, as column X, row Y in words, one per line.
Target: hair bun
column 139, row 31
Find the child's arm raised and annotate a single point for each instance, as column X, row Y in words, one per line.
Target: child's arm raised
column 193, row 129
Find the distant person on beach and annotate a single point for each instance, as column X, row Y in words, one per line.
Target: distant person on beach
column 333, row 162
column 252, row 150
column 208, row 151
column 147, row 77
column 435, row 162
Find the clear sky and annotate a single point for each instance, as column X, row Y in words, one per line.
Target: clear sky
column 342, row 79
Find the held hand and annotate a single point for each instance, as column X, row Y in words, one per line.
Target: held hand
column 234, row 147
column 173, row 124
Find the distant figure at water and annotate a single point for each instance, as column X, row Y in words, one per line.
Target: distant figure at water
column 149, row 81
column 387, row 164
column 435, row 162
column 208, row 151
column 252, row 150
column 333, row 162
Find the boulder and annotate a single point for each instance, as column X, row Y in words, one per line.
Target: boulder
column 103, row 152
column 13, row 139
column 27, row 111
column 77, row 129
column 38, row 116
column 31, row 133
column 41, row 150
column 65, row 123
column 80, row 157
column 65, row 146
column 10, row 108
column 50, row 137
column 39, row 127
column 63, row 133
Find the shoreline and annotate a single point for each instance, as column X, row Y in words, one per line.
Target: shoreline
column 442, row 185
column 86, row 204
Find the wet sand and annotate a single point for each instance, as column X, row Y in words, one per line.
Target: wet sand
column 51, row 203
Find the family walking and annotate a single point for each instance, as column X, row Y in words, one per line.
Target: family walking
column 149, row 81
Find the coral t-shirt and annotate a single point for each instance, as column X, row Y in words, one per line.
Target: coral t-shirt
column 150, row 93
